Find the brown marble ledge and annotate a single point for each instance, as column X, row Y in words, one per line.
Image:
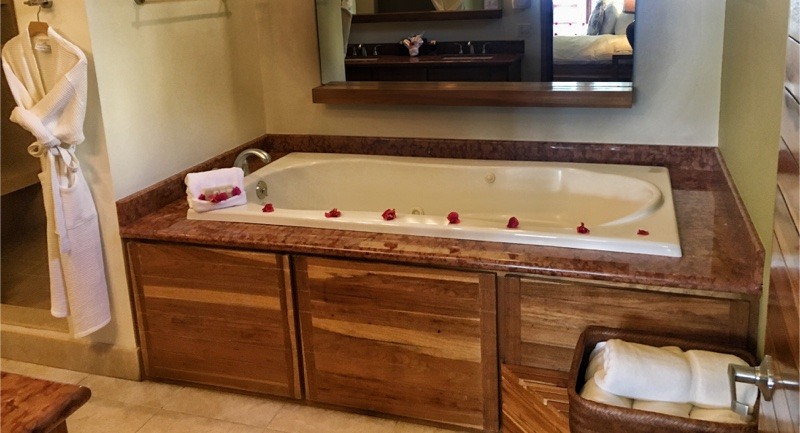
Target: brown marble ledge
column 721, row 252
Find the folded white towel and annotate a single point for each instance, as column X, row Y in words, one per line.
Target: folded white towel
column 674, row 409
column 199, row 185
column 718, row 415
column 710, row 383
column 595, row 360
column 644, row 372
column 593, row 392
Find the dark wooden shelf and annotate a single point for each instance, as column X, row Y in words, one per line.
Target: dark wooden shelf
column 522, row 94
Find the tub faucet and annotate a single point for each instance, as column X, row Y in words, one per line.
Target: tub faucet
column 375, row 49
column 241, row 159
column 471, row 47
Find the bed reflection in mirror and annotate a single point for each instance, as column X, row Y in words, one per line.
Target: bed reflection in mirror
column 476, row 40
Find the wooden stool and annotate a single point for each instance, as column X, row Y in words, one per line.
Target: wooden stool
column 37, row 406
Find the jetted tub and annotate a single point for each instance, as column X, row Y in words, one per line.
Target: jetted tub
column 626, row 208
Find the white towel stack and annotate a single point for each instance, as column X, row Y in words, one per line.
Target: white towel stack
column 199, row 187
column 692, row 384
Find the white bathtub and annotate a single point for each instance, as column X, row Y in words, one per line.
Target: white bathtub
column 550, row 200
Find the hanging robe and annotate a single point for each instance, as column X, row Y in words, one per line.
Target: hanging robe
column 48, row 78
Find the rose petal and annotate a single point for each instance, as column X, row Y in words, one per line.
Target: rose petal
column 268, row 208
column 643, row 232
column 334, row 213
column 236, row 191
column 513, row 223
column 389, row 214
column 452, row 217
column 582, row 229
column 201, row 197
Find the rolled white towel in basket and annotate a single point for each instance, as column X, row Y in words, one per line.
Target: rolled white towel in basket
column 644, row 372
column 593, row 392
column 710, row 383
column 674, row 409
column 215, row 189
column 718, row 415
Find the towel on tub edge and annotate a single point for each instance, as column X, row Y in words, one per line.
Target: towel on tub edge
column 198, row 184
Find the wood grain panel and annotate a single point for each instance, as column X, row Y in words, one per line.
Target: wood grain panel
column 401, row 340
column 782, row 414
column 215, row 316
column 532, row 404
column 548, row 317
column 37, row 406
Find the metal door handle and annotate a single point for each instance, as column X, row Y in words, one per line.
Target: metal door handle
column 763, row 376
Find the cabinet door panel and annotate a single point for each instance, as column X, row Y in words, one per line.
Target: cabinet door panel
column 401, row 340
column 542, row 320
column 216, row 317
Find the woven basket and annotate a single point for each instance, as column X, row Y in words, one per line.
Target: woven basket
column 587, row 416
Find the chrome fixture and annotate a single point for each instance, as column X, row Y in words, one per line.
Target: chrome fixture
column 375, row 50
column 241, row 159
column 361, row 50
column 471, row 47
column 460, row 50
column 483, row 50
column 41, row 3
column 763, row 376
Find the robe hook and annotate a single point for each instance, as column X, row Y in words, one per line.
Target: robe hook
column 47, row 4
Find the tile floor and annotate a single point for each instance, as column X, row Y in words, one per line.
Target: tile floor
column 123, row 406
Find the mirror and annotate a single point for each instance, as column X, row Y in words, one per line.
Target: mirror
column 515, row 46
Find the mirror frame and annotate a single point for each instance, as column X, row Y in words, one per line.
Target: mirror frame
column 490, row 94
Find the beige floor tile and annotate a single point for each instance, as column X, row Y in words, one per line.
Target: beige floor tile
column 405, row 427
column 42, row 371
column 305, row 419
column 150, row 394
column 174, row 422
column 104, row 416
column 253, row 411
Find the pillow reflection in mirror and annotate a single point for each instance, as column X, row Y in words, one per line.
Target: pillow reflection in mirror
column 609, row 20
column 448, row 5
column 596, row 19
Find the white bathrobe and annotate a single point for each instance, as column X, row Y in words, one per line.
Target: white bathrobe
column 48, row 78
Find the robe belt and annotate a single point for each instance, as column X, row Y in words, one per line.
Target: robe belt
column 58, row 156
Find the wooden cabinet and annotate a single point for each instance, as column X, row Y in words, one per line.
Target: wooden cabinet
column 541, row 319
column 407, row 341
column 215, row 317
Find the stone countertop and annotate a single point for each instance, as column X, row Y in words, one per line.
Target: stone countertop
column 721, row 253
column 455, row 60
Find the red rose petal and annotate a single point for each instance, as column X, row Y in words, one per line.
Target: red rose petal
column 268, row 208
column 219, row 197
column 389, row 214
column 334, row 213
column 513, row 223
column 236, row 191
column 582, row 229
column 201, row 197
column 452, row 217
column 643, row 232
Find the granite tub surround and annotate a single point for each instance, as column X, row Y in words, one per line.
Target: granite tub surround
column 721, row 253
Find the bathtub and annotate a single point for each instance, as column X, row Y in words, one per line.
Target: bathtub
column 626, row 208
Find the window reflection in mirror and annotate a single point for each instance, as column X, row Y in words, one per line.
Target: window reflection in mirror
column 550, row 42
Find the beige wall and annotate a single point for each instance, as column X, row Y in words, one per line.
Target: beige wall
column 750, row 115
column 179, row 83
column 677, row 84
